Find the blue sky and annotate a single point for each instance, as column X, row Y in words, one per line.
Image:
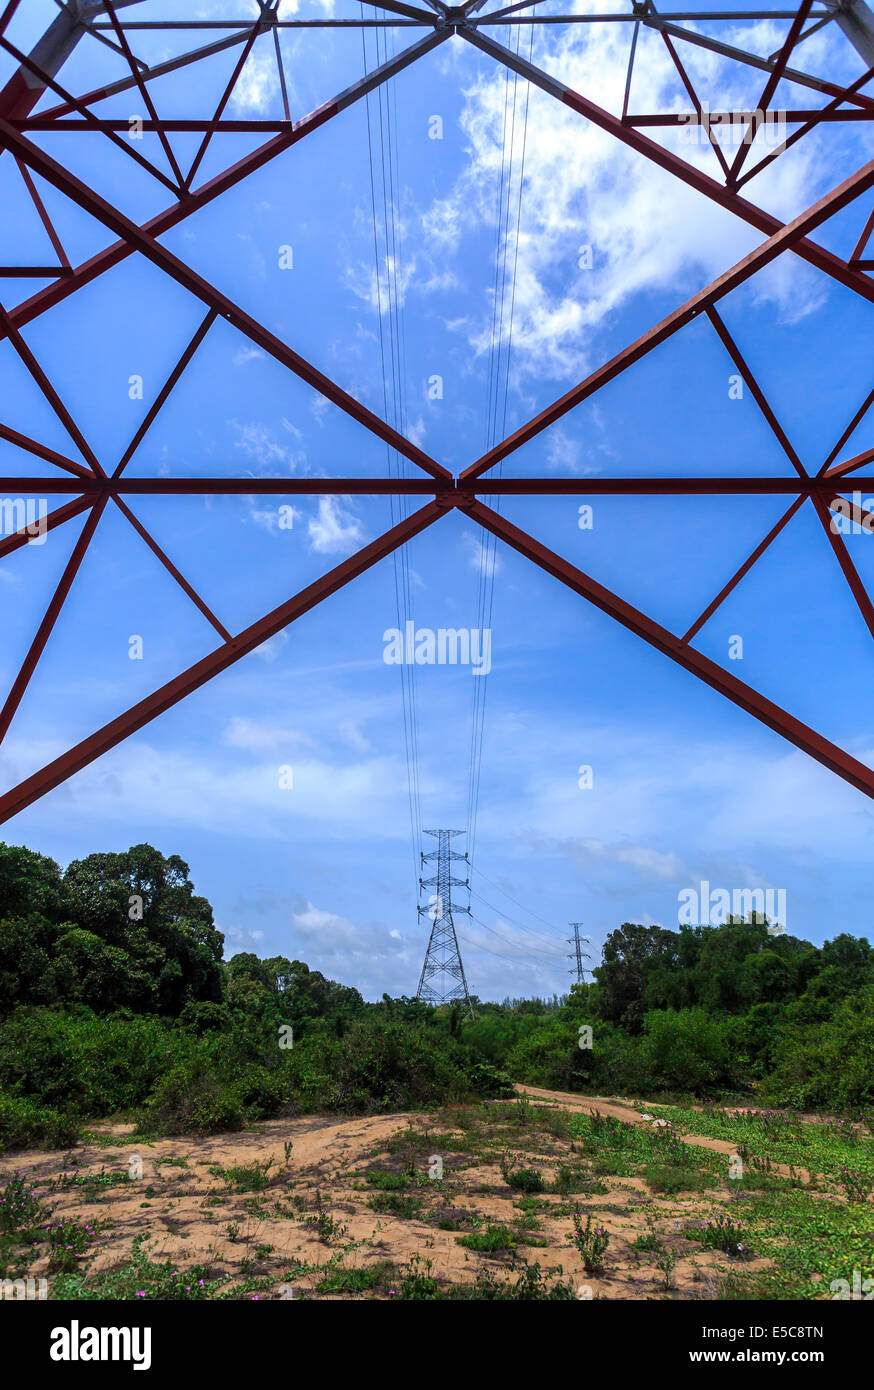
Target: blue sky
column 685, row 786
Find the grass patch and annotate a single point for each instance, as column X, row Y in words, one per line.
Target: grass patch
column 395, row 1204
column 663, row 1178
column 568, row 1181
column 245, row 1177
column 363, row 1280
column 139, row 1278
column 387, row 1182
column 493, row 1239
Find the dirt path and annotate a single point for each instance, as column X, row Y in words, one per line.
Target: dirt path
column 622, row 1110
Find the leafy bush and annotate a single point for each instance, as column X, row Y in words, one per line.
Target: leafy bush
column 526, row 1180
column 531, row 1285
column 688, row 1049
column 388, row 1182
column 69, row 1241
column 591, row 1242
column 191, row 1100
column 21, row 1208
column 379, row 1066
column 827, row 1064
column 720, row 1233
column 27, row 1125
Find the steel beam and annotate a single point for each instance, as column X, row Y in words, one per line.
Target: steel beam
column 24, row 88
column 452, row 494
column 856, row 20
column 139, row 239
column 52, row 613
column 92, row 489
column 744, row 696
column 157, row 226
column 792, row 235
column 32, row 788
column 764, row 222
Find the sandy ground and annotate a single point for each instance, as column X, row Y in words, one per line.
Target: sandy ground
column 190, row 1214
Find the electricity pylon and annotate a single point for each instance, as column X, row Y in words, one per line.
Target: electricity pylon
column 442, row 976
column 579, row 954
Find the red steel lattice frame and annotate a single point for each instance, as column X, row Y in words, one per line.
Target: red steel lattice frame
column 95, row 488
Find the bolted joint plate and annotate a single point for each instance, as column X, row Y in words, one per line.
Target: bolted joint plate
column 455, row 497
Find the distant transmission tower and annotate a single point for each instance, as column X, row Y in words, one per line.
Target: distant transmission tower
column 443, row 973
column 579, row 954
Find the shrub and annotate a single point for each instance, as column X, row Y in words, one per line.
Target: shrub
column 828, row 1064
column 139, row 1277
column 261, row 1092
column 526, row 1180
column 26, row 1125
column 568, row 1180
column 190, row 1099
column 530, row 1286
column 590, row 1242
column 688, row 1049
column 69, row 1239
column 520, row 1179
column 416, row 1281
column 245, row 1177
column 720, row 1233
column 379, row 1066
column 21, row 1210
column 857, row 1186
column 76, row 1061
column 488, row 1082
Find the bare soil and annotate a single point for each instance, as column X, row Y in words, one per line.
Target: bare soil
column 193, row 1214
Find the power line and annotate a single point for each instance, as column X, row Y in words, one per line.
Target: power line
column 516, row 950
column 510, row 897
column 488, row 552
column 554, row 950
column 397, row 413
column 539, row 936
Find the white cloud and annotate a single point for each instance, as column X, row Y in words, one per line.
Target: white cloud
column 258, row 443
column 238, row 939
column 257, row 87
column 482, row 555
column 257, row 737
column 335, row 529
column 350, row 730
column 269, row 650
column 248, row 354
column 564, row 454
column 647, row 231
